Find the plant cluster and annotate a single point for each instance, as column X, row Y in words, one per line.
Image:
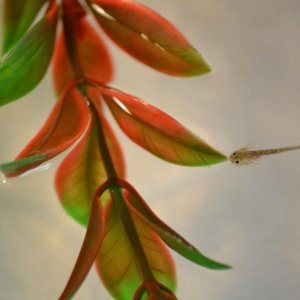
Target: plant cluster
column 124, row 238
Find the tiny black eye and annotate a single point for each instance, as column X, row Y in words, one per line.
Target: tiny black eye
column 234, row 153
column 237, row 162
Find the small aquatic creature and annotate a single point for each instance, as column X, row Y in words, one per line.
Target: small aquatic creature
column 245, row 156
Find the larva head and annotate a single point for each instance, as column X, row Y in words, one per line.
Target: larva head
column 243, row 157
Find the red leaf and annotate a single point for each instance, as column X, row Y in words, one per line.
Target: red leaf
column 89, row 249
column 66, row 122
column 148, row 37
column 83, row 170
column 91, row 54
column 159, row 133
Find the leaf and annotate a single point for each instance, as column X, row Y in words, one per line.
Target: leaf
column 89, row 250
column 158, row 133
column 148, row 37
column 116, row 262
column 20, row 163
column 91, row 54
column 66, row 122
column 25, row 64
column 169, row 236
column 18, row 16
column 82, row 171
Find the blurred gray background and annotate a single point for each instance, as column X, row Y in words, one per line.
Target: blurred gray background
column 245, row 216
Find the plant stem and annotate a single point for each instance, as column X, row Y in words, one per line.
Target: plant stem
column 115, row 189
column 103, row 148
column 132, row 234
column 120, row 203
column 72, row 11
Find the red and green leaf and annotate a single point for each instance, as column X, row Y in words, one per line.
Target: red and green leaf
column 158, row 133
column 90, row 52
column 116, row 262
column 18, row 17
column 24, row 65
column 89, row 250
column 82, row 171
column 66, row 122
column 148, row 37
column 14, row 166
column 169, row 236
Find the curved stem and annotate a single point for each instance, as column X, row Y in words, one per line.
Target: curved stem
column 116, row 194
column 114, row 187
column 119, row 201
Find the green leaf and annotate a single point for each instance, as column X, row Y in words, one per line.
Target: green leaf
column 18, row 16
column 171, row 237
column 24, row 65
column 116, row 262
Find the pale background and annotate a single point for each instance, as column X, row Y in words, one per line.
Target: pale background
column 247, row 217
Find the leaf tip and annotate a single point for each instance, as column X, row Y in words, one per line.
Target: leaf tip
column 213, row 158
column 223, row 267
column 19, row 166
column 200, row 66
column 213, row 265
column 202, row 69
column 222, row 158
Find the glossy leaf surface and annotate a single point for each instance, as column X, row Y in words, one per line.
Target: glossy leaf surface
column 116, row 261
column 89, row 250
column 90, row 52
column 170, row 237
column 82, row 171
column 66, row 122
column 18, row 16
column 25, row 64
column 148, row 37
column 158, row 133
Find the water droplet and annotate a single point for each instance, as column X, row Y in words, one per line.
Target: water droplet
column 3, row 179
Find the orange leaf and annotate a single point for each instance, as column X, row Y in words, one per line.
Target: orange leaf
column 91, row 54
column 148, row 37
column 89, row 249
column 82, row 171
column 159, row 133
column 66, row 122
